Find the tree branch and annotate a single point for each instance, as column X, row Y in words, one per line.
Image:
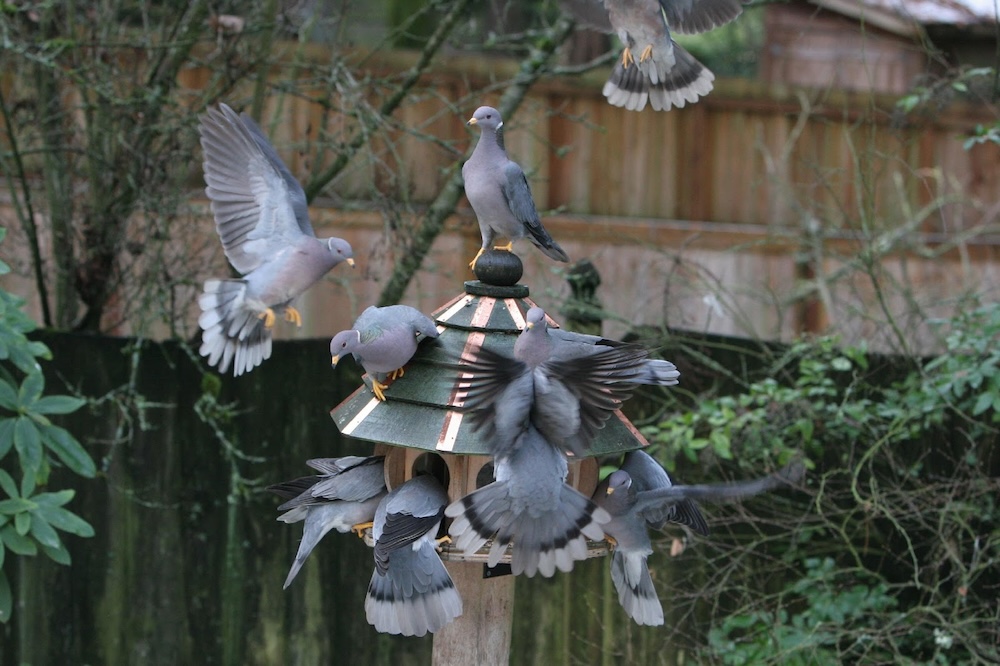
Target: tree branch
column 455, row 11
column 26, row 213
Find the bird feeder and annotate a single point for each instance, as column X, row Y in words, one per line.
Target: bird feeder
column 418, row 429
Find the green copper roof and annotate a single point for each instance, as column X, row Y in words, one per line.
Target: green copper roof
column 418, row 411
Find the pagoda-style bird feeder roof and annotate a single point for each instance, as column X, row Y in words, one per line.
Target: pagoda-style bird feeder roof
column 419, row 410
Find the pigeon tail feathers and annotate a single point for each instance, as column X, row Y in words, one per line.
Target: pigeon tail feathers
column 231, row 332
column 636, row 593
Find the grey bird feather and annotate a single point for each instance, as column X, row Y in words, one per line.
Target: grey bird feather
column 262, row 218
column 499, row 193
column 567, row 344
column 411, row 592
column 345, row 493
column 650, row 500
column 530, row 505
column 664, row 73
column 383, row 340
column 568, row 391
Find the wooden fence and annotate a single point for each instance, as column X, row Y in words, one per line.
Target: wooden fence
column 761, row 210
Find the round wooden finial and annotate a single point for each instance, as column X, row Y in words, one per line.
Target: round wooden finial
column 499, row 268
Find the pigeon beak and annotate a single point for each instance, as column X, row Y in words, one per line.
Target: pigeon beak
column 472, row 121
column 350, row 262
column 333, row 361
column 529, row 325
column 610, row 490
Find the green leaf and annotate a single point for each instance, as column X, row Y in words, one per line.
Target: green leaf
column 27, row 485
column 31, row 389
column 43, row 533
column 985, row 402
column 16, row 506
column 6, row 599
column 67, row 521
column 4, row 268
column 19, row 545
column 59, row 555
column 58, row 404
column 28, row 443
column 22, row 523
column 55, row 499
column 6, row 435
column 840, row 363
column 69, row 451
column 8, row 397
column 7, row 484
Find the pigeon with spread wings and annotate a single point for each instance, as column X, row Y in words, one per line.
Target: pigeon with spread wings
column 640, row 496
column 262, row 218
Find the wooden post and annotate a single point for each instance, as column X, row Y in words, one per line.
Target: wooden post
column 481, row 634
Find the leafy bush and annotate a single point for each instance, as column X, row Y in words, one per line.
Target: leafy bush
column 889, row 553
column 29, row 519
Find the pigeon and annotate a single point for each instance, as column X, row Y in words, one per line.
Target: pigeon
column 640, row 495
column 411, row 592
column 499, row 194
column 530, row 505
column 262, row 218
column 382, row 341
column 567, row 344
column 567, row 390
column 665, row 75
column 343, row 497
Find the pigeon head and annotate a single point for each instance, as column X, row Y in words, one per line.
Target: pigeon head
column 487, row 118
column 619, row 482
column 344, row 342
column 341, row 250
column 535, row 317
column 533, row 346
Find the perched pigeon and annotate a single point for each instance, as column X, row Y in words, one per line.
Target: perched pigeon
column 499, row 192
column 649, row 499
column 411, row 592
column 262, row 218
column 568, row 391
column 665, row 74
column 382, row 341
column 531, row 506
column 343, row 497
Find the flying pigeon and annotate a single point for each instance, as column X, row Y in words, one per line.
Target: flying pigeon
column 262, row 218
column 530, row 505
column 638, row 497
column 382, row 341
column 343, row 497
column 499, row 194
column 665, row 74
column 567, row 390
column 567, row 344
column 410, row 592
